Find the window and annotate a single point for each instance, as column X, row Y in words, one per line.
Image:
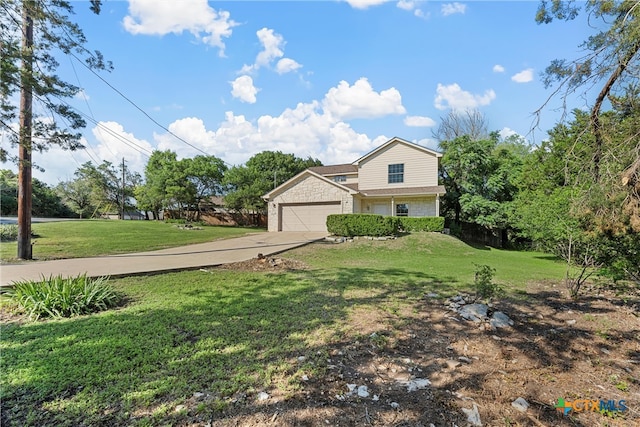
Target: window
column 396, row 173
column 402, row 209
column 340, row 178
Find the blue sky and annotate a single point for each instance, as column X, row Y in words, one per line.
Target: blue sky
column 326, row 79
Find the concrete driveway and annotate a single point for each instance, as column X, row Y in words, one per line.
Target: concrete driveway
column 180, row 258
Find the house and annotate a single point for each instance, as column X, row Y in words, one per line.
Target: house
column 399, row 178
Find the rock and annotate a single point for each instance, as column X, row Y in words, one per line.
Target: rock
column 351, row 387
column 473, row 416
column 452, row 364
column 363, row 391
column 474, row 312
column 180, row 408
column 417, row 384
column 520, row 404
column 571, row 322
column 305, row 378
column 395, row 405
column 301, row 359
column 500, row 320
column 464, row 359
column 432, row 295
column 198, row 395
column 263, row 395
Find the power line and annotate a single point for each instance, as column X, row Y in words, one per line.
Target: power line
column 137, row 107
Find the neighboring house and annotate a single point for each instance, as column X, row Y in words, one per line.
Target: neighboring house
column 399, row 178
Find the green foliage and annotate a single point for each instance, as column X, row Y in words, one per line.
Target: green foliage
column 481, row 178
column 483, row 283
column 54, row 123
column 362, row 225
column 106, row 186
column 63, row 297
column 259, row 175
column 8, row 232
column 427, row 223
column 45, row 201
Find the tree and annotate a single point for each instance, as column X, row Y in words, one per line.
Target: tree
column 108, row 191
column 562, row 210
column 481, row 178
column 259, row 175
column 77, row 195
column 612, row 61
column 205, row 174
column 8, row 192
column 32, row 33
column 471, row 123
column 152, row 195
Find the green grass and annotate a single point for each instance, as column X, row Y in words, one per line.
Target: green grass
column 227, row 333
column 58, row 296
column 87, row 238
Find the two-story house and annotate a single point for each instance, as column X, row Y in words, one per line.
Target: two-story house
column 399, row 178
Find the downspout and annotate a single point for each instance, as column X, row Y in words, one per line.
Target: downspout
column 437, row 204
column 393, row 208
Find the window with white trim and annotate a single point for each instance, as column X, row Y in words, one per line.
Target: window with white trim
column 396, row 173
column 340, row 178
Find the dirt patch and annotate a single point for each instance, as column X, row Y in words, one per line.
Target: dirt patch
column 262, row 263
column 425, row 365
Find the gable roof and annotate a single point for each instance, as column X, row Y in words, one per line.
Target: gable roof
column 396, row 140
column 286, row 184
column 335, row 169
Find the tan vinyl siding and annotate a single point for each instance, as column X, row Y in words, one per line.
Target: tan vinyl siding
column 420, row 168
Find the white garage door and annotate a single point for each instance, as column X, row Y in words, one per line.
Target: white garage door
column 308, row 217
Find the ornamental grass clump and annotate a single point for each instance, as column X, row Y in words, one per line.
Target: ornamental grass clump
column 64, row 296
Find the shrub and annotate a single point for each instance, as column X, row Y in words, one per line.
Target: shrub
column 63, row 297
column 8, row 232
column 483, row 282
column 362, row 225
column 427, row 223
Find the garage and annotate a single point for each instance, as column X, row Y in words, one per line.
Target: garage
column 307, row 216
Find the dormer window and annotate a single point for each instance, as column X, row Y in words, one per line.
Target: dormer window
column 340, row 178
column 396, row 173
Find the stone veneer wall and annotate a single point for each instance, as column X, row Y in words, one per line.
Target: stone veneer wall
column 308, row 189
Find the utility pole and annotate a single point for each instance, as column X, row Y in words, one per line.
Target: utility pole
column 26, row 116
column 123, row 189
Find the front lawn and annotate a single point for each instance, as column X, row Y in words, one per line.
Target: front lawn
column 228, row 346
column 88, row 238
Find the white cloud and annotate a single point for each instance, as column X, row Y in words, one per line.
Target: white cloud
column 411, row 6
column 507, row 132
column 272, row 49
column 152, row 17
column 243, row 89
column 453, row 8
column 313, row 129
column 498, row 68
column 364, row 4
column 273, row 45
column 286, row 65
column 419, row 121
column 361, row 101
column 81, row 95
column 452, row 96
column 524, row 76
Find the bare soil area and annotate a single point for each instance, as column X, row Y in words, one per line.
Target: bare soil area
column 425, row 366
